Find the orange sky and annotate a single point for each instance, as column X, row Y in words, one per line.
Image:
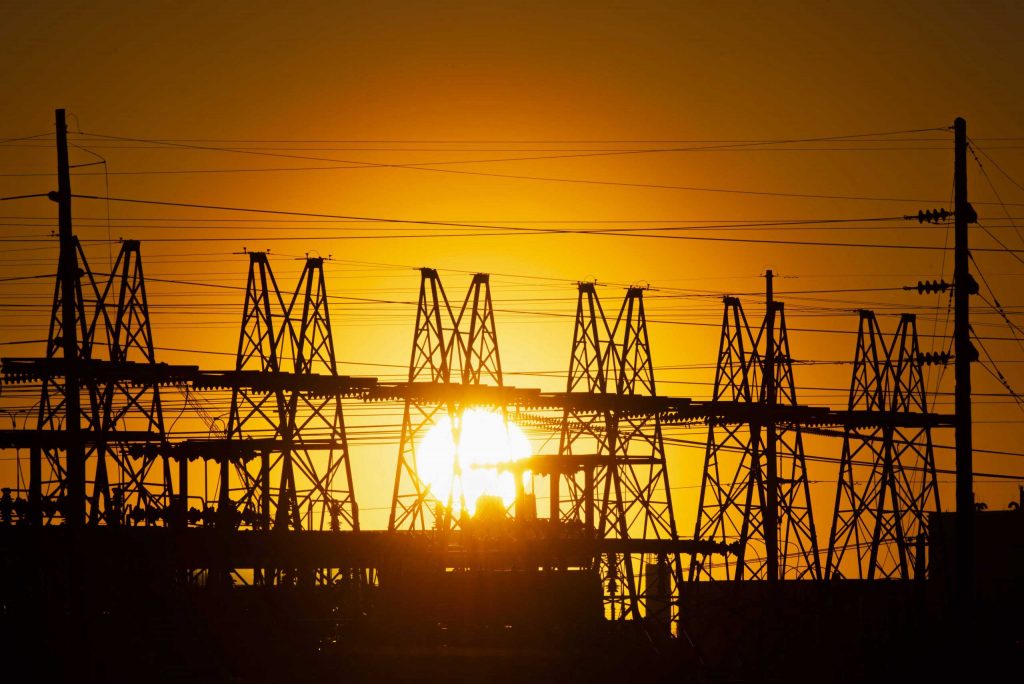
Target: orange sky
column 429, row 82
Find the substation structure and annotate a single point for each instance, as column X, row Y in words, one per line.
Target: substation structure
column 109, row 514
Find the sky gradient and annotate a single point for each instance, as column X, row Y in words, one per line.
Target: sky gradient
column 628, row 115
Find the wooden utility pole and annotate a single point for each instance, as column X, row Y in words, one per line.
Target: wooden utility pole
column 74, row 504
column 771, row 512
column 965, row 353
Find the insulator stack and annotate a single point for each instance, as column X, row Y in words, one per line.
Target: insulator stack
column 932, row 286
column 933, row 216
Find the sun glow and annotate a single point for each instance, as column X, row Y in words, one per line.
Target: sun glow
column 484, row 443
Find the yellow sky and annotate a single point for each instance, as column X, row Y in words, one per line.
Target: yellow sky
column 461, row 81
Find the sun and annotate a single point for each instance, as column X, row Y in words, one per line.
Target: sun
column 486, row 441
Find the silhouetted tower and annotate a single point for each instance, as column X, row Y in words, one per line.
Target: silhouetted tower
column 584, row 440
column 477, row 338
column 435, row 339
column 259, row 414
column 56, row 486
column 853, row 521
column 475, row 357
column 887, row 482
column 48, row 467
column 126, row 489
column 766, row 507
column 912, row 449
column 722, row 509
column 794, row 553
column 325, row 491
column 644, row 507
column 583, row 480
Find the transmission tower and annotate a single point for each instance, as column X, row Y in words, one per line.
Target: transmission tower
column 722, row 509
column 48, row 467
column 435, row 342
column 326, row 491
column 766, row 507
column 584, row 431
column 794, row 552
column 477, row 346
column 141, row 489
column 887, row 481
column 642, row 506
column 476, row 358
column 259, row 414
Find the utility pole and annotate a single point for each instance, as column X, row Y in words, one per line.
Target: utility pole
column 771, row 513
column 965, row 354
column 74, row 505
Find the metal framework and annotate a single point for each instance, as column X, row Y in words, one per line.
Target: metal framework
column 48, row 472
column 583, row 434
column 100, row 454
column 326, row 493
column 722, row 509
column 249, row 499
column 434, row 342
column 766, row 504
column 586, row 471
column 638, row 499
column 468, row 351
column 125, row 489
column 887, row 481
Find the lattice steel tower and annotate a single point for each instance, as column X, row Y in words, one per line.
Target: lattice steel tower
column 259, row 414
column 319, row 453
column 642, row 506
column 766, row 504
column 137, row 490
column 887, row 481
column 435, row 340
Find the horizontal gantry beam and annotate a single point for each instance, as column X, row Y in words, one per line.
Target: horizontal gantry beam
column 676, row 410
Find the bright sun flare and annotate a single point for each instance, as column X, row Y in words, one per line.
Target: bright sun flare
column 484, row 442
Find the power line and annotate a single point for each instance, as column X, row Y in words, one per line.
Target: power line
column 431, row 167
column 517, row 229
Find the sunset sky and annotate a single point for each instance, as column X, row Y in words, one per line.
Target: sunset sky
column 673, row 121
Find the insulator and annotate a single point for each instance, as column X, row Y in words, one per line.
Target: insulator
column 933, row 358
column 932, row 216
column 930, row 286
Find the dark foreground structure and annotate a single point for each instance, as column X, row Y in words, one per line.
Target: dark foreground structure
column 123, row 604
